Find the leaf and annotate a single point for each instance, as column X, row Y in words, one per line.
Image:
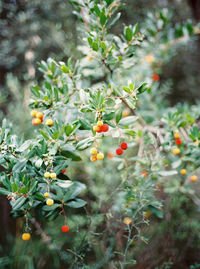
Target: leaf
column 19, row 203
column 129, row 34
column 69, row 152
column 4, row 192
column 77, row 203
column 135, row 29
column 95, row 46
column 73, row 189
column 50, row 208
column 85, row 143
column 128, row 120
column 19, row 166
column 103, row 18
column 126, row 89
column 143, row 87
column 131, row 133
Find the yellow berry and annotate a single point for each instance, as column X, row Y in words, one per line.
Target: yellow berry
column 47, row 174
column 147, row 214
column 50, row 202
column 125, row 113
column 93, row 151
column 49, row 122
column 89, row 57
column 53, row 175
column 46, row 194
column 176, row 151
column 176, row 135
column 183, row 171
column 100, row 156
column 33, row 113
column 96, row 128
column 26, row 236
column 127, row 221
column 193, row 178
column 149, row 58
column 36, row 121
column 99, row 123
column 93, row 158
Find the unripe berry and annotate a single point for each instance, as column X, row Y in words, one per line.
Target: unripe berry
column 100, row 156
column 127, row 221
column 119, row 151
column 176, row 135
column 149, row 58
column 49, row 122
column 193, row 178
column 46, row 194
column 96, row 128
column 47, row 174
column 50, row 202
column 124, row 146
column 36, row 121
column 110, row 155
column 176, row 151
column 26, row 236
column 53, row 175
column 33, row 113
column 93, row 151
column 99, row 123
column 178, row 142
column 93, row 158
column 183, row 172
column 63, row 171
column 104, row 127
column 65, row 228
column 155, row 77
column 39, row 115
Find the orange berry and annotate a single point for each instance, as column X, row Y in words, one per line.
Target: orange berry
column 49, row 122
column 144, row 173
column 96, row 128
column 183, row 172
column 176, row 135
column 39, row 115
column 110, row 155
column 93, row 158
column 93, row 151
column 127, row 221
column 147, row 214
column 26, row 236
column 99, row 123
column 125, row 113
column 155, row 77
column 193, row 178
column 36, row 121
column 176, row 151
column 149, row 58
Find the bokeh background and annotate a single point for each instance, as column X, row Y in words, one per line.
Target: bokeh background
column 31, row 31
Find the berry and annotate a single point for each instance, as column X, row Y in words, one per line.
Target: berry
column 127, row 221
column 53, row 175
column 124, row 146
column 49, row 122
column 155, row 77
column 183, row 171
column 144, row 173
column 65, row 228
column 96, row 128
column 100, row 156
column 149, row 58
column 93, row 158
column 110, row 155
column 26, row 236
column 125, row 113
column 36, row 121
column 119, row 151
column 176, row 135
column 93, row 151
column 193, row 178
column 46, row 194
column 50, row 202
column 178, row 141
column 104, row 127
column 99, row 123
column 39, row 115
column 63, row 171
column 47, row 174
column 176, row 151
column 33, row 113
column 147, row 214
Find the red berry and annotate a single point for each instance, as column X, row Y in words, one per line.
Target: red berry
column 124, row 146
column 119, row 151
column 178, row 141
column 65, row 228
column 104, row 127
column 155, row 77
column 63, row 171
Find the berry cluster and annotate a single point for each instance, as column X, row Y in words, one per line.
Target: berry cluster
column 96, row 155
column 37, row 117
column 100, row 127
column 120, row 150
column 178, row 142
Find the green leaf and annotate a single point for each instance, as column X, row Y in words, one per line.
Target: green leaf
column 103, row 18
column 128, row 120
column 143, row 87
column 69, row 152
column 131, row 133
column 4, row 192
column 95, row 46
column 85, row 143
column 77, row 203
column 50, row 208
column 118, row 116
column 135, row 29
column 129, row 34
column 126, row 89
column 18, row 203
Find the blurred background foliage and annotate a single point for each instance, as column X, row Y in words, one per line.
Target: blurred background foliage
column 31, row 31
